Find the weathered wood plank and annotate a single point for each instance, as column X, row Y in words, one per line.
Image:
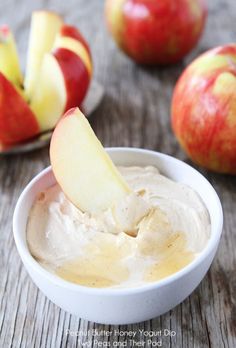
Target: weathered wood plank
column 134, row 112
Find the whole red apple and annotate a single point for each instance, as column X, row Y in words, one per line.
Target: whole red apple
column 156, row 31
column 204, row 110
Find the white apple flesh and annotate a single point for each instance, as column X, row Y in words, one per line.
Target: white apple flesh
column 49, row 99
column 9, row 61
column 44, row 27
column 82, row 167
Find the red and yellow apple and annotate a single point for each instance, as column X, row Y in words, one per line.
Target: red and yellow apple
column 156, row 32
column 58, row 73
column 204, row 110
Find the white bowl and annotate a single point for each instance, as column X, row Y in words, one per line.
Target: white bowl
column 128, row 305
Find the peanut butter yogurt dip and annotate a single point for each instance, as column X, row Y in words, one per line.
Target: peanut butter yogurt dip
column 172, row 228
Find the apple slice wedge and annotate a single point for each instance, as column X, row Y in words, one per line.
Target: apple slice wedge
column 9, row 61
column 63, row 82
column 76, row 47
column 50, row 96
column 44, row 27
column 82, row 167
column 74, row 33
column 76, row 76
column 17, row 121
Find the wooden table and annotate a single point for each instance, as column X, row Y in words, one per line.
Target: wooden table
column 135, row 112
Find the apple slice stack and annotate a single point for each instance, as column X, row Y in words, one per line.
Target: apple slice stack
column 58, row 73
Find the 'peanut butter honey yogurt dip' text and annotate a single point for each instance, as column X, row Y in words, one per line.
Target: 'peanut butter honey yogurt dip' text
column 172, row 226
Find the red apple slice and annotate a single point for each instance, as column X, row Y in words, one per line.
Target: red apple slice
column 62, row 84
column 44, row 27
column 17, row 121
column 82, row 167
column 9, row 61
column 74, row 33
column 76, row 47
column 76, row 76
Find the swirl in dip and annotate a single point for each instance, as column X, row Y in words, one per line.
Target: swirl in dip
column 172, row 227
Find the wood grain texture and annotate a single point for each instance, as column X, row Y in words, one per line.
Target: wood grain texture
column 135, row 112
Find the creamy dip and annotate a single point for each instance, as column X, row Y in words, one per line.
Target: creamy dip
column 172, row 227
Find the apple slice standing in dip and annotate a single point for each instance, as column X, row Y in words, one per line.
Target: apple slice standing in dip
column 87, row 175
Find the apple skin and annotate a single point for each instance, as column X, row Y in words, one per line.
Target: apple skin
column 204, row 110
column 75, row 74
column 156, row 32
column 70, row 38
column 74, row 33
column 17, row 121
